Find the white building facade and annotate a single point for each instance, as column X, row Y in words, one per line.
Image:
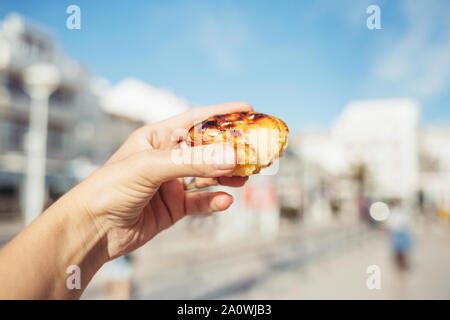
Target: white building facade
column 382, row 135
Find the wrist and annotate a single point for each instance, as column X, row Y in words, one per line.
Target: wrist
column 92, row 234
column 82, row 241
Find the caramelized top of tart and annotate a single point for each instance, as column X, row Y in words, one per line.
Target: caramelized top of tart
column 233, row 126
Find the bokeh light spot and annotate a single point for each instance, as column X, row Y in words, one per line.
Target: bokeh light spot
column 379, row 211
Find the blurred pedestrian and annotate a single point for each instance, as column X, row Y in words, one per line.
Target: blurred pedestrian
column 398, row 225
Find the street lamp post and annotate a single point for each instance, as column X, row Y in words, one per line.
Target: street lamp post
column 41, row 80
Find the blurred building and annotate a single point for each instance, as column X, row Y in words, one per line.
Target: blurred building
column 290, row 185
column 79, row 132
column 382, row 134
column 434, row 161
column 321, row 147
column 372, row 151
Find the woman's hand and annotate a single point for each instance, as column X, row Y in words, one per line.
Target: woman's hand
column 140, row 191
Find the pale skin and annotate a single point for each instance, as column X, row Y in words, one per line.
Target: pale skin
column 138, row 193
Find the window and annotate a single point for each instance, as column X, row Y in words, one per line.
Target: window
column 14, row 84
column 36, row 45
column 55, row 141
column 62, row 96
column 16, row 136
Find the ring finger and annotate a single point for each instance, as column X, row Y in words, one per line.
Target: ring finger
column 197, row 183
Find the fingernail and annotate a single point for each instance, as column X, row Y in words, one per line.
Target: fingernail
column 223, row 157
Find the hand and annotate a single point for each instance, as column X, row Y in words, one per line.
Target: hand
column 140, row 190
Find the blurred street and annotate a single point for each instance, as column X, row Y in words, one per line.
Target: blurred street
column 326, row 264
column 342, row 274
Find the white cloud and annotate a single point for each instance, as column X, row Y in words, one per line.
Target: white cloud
column 138, row 100
column 419, row 62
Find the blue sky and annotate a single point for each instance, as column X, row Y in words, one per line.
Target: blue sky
column 300, row 60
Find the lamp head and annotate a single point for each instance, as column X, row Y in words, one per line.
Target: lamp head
column 41, row 80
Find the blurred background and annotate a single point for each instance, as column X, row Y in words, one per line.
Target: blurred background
column 364, row 181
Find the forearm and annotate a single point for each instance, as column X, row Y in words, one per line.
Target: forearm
column 34, row 264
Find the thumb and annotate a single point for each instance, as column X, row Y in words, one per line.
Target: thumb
column 211, row 160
